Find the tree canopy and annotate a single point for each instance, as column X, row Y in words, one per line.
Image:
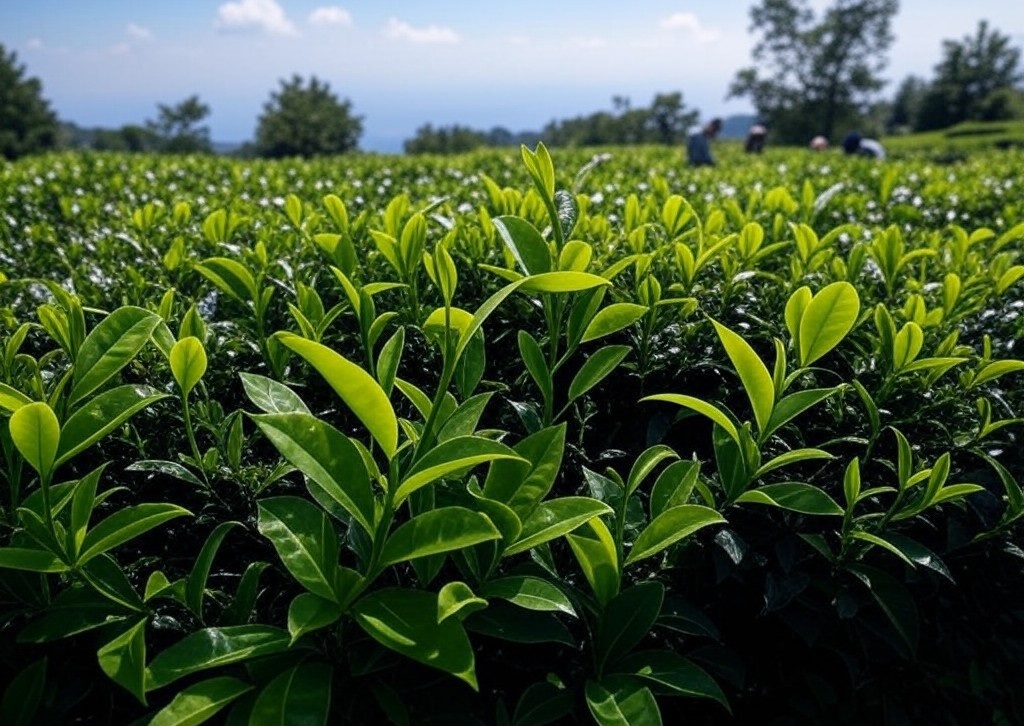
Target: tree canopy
column 813, row 74
column 974, row 80
column 177, row 127
column 27, row 124
column 306, row 119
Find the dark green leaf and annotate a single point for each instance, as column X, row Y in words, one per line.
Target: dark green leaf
column 301, row 696
column 439, row 530
column 212, row 648
column 200, row 702
column 109, row 347
column 406, row 622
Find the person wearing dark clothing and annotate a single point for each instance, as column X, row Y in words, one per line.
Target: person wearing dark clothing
column 698, row 145
column 755, row 139
column 854, row 143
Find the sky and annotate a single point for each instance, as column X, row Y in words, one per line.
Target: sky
column 512, row 63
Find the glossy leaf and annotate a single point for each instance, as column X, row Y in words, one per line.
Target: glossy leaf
column 556, row 517
column 123, row 659
column 270, row 396
column 542, row 703
column 562, row 282
column 757, row 381
column 627, row 619
column 200, row 702
column 525, row 243
column 357, row 388
column 457, row 600
column 598, row 557
column 327, row 457
column 671, row 526
column 300, row 696
column 35, row 432
column 436, row 531
column 195, row 584
column 231, row 276
column 631, row 704
column 305, row 541
column 213, row 648
column 109, row 347
column 406, row 621
column 522, row 484
column 451, row 456
column 612, row 319
column 673, row 672
column 101, row 415
column 125, row 525
column 792, row 495
column 596, row 368
column 702, row 407
column 30, row 560
column 12, row 399
column 530, row 592
column 188, row 363
column 826, row 320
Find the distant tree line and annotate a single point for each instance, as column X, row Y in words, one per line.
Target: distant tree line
column 665, row 121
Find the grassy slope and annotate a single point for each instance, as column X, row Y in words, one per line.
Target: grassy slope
column 960, row 139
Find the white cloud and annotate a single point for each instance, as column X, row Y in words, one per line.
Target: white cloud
column 34, row 44
column 137, row 32
column 264, row 15
column 401, row 30
column 330, row 15
column 519, row 40
column 120, row 49
column 689, row 23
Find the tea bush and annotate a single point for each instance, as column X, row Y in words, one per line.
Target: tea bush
column 498, row 440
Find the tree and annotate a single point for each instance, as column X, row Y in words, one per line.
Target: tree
column 303, row 119
column 906, row 104
column 178, row 127
column 812, row 75
column 974, row 80
column 27, row 124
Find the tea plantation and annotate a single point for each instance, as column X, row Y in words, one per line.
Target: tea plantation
column 512, row 438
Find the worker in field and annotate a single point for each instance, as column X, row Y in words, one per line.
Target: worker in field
column 756, row 137
column 854, row 143
column 819, row 143
column 698, row 145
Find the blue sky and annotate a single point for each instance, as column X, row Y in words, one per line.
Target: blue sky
column 518, row 63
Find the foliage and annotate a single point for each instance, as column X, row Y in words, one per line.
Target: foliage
column 27, row 124
column 491, row 439
column 975, row 80
column 305, row 118
column 813, row 76
column 177, row 129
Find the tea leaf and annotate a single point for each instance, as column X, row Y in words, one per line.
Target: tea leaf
column 611, row 319
column 826, row 320
column 302, row 692
column 406, row 621
column 357, row 389
column 109, row 347
column 453, row 455
column 188, row 363
column 326, row 456
column 213, row 648
column 671, row 526
column 439, row 530
column 199, row 702
column 305, row 541
column 597, row 367
column 554, row 518
column 36, row 434
column 757, row 381
column 796, row 496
